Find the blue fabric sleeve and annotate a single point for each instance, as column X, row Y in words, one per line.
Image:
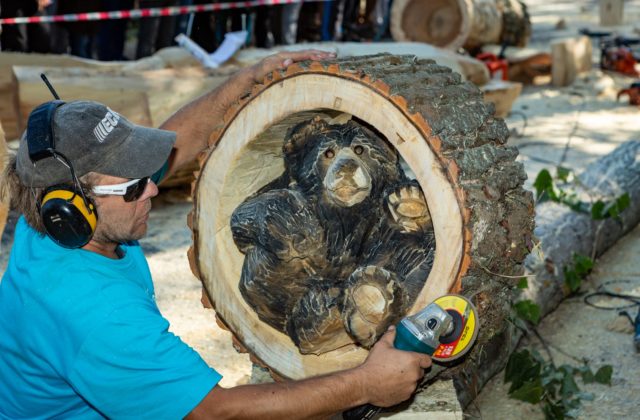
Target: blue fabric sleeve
column 159, row 175
column 132, row 366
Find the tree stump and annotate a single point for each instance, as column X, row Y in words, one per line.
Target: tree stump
column 461, row 23
column 446, row 136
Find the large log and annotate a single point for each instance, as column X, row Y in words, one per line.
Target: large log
column 461, row 23
column 445, row 134
column 562, row 231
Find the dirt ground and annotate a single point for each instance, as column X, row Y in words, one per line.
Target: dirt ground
column 584, row 120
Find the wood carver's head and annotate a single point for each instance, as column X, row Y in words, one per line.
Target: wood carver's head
column 349, row 161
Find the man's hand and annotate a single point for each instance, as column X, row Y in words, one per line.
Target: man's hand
column 391, row 375
column 282, row 60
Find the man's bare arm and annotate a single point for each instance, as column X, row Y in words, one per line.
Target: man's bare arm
column 195, row 121
column 387, row 377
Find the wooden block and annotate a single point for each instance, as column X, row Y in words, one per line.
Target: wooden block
column 611, row 12
column 438, row 401
column 570, row 57
column 502, row 94
column 147, row 97
column 8, row 100
column 123, row 94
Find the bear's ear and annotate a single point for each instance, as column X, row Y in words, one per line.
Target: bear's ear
column 297, row 136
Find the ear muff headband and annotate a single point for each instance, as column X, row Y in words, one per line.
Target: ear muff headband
column 66, row 218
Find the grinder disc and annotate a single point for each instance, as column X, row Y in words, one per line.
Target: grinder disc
column 465, row 328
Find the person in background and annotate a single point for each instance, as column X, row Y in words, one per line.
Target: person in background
column 81, row 34
column 112, row 32
column 32, row 37
column 155, row 33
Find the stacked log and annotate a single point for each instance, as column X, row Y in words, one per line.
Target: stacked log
column 454, row 24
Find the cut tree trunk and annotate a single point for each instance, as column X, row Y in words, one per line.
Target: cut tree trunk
column 461, row 23
column 448, row 138
column 563, row 232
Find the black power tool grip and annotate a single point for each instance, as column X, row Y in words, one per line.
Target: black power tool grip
column 363, row 412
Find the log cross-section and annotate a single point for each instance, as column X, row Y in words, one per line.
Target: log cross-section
column 461, row 23
column 447, row 136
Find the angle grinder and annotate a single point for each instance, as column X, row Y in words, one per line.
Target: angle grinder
column 445, row 329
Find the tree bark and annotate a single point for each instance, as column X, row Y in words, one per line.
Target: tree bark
column 450, row 140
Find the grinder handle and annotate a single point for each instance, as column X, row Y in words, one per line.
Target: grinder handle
column 404, row 341
column 363, row 412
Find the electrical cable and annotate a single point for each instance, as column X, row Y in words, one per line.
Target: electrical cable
column 634, row 300
column 602, row 291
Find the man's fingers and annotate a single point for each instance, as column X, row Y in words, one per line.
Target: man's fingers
column 306, row 55
column 389, row 336
column 425, row 362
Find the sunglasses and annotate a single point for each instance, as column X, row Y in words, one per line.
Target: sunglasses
column 130, row 190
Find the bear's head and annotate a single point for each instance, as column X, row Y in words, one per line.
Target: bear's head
column 347, row 163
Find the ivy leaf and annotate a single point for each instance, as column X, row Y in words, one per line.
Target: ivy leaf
column 521, row 368
column 583, row 264
column 569, row 386
column 542, row 184
column 623, row 202
column 528, row 310
column 587, row 375
column 572, row 280
column 597, row 210
column 553, row 411
column 603, row 375
column 523, row 283
column 603, row 210
column 563, row 173
column 530, row 392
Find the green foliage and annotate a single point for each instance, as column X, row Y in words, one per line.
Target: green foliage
column 523, row 283
column 537, row 381
column 528, row 310
column 577, row 272
column 606, row 209
column 547, row 189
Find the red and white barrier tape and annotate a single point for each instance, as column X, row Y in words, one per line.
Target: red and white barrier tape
column 150, row 12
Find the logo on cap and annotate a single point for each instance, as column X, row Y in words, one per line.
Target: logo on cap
column 106, row 126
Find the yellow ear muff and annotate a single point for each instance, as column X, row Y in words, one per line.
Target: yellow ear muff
column 68, row 220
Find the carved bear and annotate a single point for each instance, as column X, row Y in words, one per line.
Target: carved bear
column 338, row 247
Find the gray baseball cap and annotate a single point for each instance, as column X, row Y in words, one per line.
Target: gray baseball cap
column 96, row 139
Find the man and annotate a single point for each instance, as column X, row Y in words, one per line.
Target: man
column 80, row 333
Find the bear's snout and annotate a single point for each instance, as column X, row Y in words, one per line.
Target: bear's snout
column 347, row 181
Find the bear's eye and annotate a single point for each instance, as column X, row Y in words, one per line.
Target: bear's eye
column 329, row 153
column 358, row 149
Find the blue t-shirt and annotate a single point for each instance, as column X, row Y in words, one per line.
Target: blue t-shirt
column 81, row 336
